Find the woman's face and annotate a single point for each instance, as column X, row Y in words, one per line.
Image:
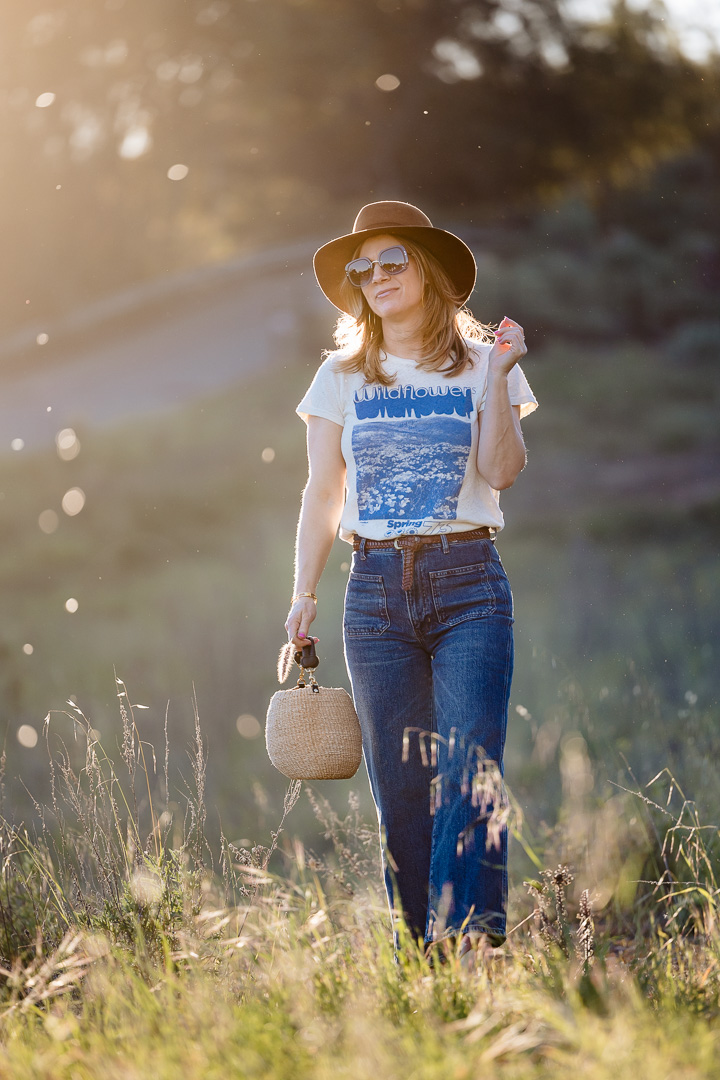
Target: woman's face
column 392, row 295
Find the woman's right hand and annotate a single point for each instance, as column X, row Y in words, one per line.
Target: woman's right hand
column 509, row 347
column 297, row 624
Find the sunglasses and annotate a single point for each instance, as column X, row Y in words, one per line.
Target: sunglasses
column 392, row 260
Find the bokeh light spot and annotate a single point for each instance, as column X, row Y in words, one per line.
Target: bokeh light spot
column 27, row 736
column 17, row 444
column 42, row 339
column 177, row 172
column 268, row 454
column 146, row 888
column 167, row 70
column 207, row 16
column 457, row 60
column 136, row 142
column 44, row 100
column 248, row 726
column 68, row 444
column 387, row 82
column 191, row 71
column 48, row 521
column 28, row 649
column 71, row 605
column 73, row 501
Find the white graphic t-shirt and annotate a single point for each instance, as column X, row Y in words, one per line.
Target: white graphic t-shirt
column 411, row 448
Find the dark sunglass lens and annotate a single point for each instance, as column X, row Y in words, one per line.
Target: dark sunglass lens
column 359, row 272
column 393, row 260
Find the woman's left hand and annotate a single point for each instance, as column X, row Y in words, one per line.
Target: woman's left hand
column 508, row 348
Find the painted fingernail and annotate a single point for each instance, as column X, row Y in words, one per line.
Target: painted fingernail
column 301, row 635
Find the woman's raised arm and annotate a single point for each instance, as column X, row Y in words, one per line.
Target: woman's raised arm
column 501, row 450
column 320, row 513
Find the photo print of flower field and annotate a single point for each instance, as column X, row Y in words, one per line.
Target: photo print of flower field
column 170, row 903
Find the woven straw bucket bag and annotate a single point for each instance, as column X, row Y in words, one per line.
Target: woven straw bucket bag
column 312, row 732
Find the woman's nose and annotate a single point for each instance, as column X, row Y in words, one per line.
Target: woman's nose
column 378, row 273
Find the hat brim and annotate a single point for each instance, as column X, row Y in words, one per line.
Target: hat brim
column 452, row 253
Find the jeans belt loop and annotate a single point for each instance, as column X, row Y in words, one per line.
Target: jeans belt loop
column 361, row 549
column 445, row 544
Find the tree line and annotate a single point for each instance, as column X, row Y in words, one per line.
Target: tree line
column 286, row 115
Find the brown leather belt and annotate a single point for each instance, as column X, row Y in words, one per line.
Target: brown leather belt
column 410, row 543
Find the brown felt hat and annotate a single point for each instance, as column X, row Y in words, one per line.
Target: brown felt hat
column 402, row 220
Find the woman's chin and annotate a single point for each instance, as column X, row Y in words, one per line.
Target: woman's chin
column 392, row 308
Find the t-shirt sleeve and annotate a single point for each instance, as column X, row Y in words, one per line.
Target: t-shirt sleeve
column 323, row 397
column 520, row 392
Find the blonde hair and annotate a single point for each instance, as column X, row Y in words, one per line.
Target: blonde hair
column 446, row 328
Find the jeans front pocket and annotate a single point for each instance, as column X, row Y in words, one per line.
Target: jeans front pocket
column 366, row 610
column 463, row 592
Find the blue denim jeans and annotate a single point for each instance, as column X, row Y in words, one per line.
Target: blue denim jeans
column 430, row 671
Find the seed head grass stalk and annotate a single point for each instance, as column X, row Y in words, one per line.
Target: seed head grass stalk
column 124, row 953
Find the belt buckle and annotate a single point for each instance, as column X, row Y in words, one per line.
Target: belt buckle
column 396, row 543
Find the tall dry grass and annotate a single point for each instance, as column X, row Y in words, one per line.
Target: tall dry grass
column 128, row 947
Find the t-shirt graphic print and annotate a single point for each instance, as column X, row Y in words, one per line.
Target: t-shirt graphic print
column 409, row 448
column 411, row 469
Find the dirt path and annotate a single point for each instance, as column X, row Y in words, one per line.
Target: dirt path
column 148, row 353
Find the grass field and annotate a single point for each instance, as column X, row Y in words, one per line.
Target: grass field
column 124, row 954
column 314, row 993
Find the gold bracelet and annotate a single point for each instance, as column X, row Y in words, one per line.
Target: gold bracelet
column 310, row 594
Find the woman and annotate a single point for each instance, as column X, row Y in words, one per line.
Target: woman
column 413, row 428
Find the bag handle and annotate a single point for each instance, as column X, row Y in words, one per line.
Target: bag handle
column 307, row 657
